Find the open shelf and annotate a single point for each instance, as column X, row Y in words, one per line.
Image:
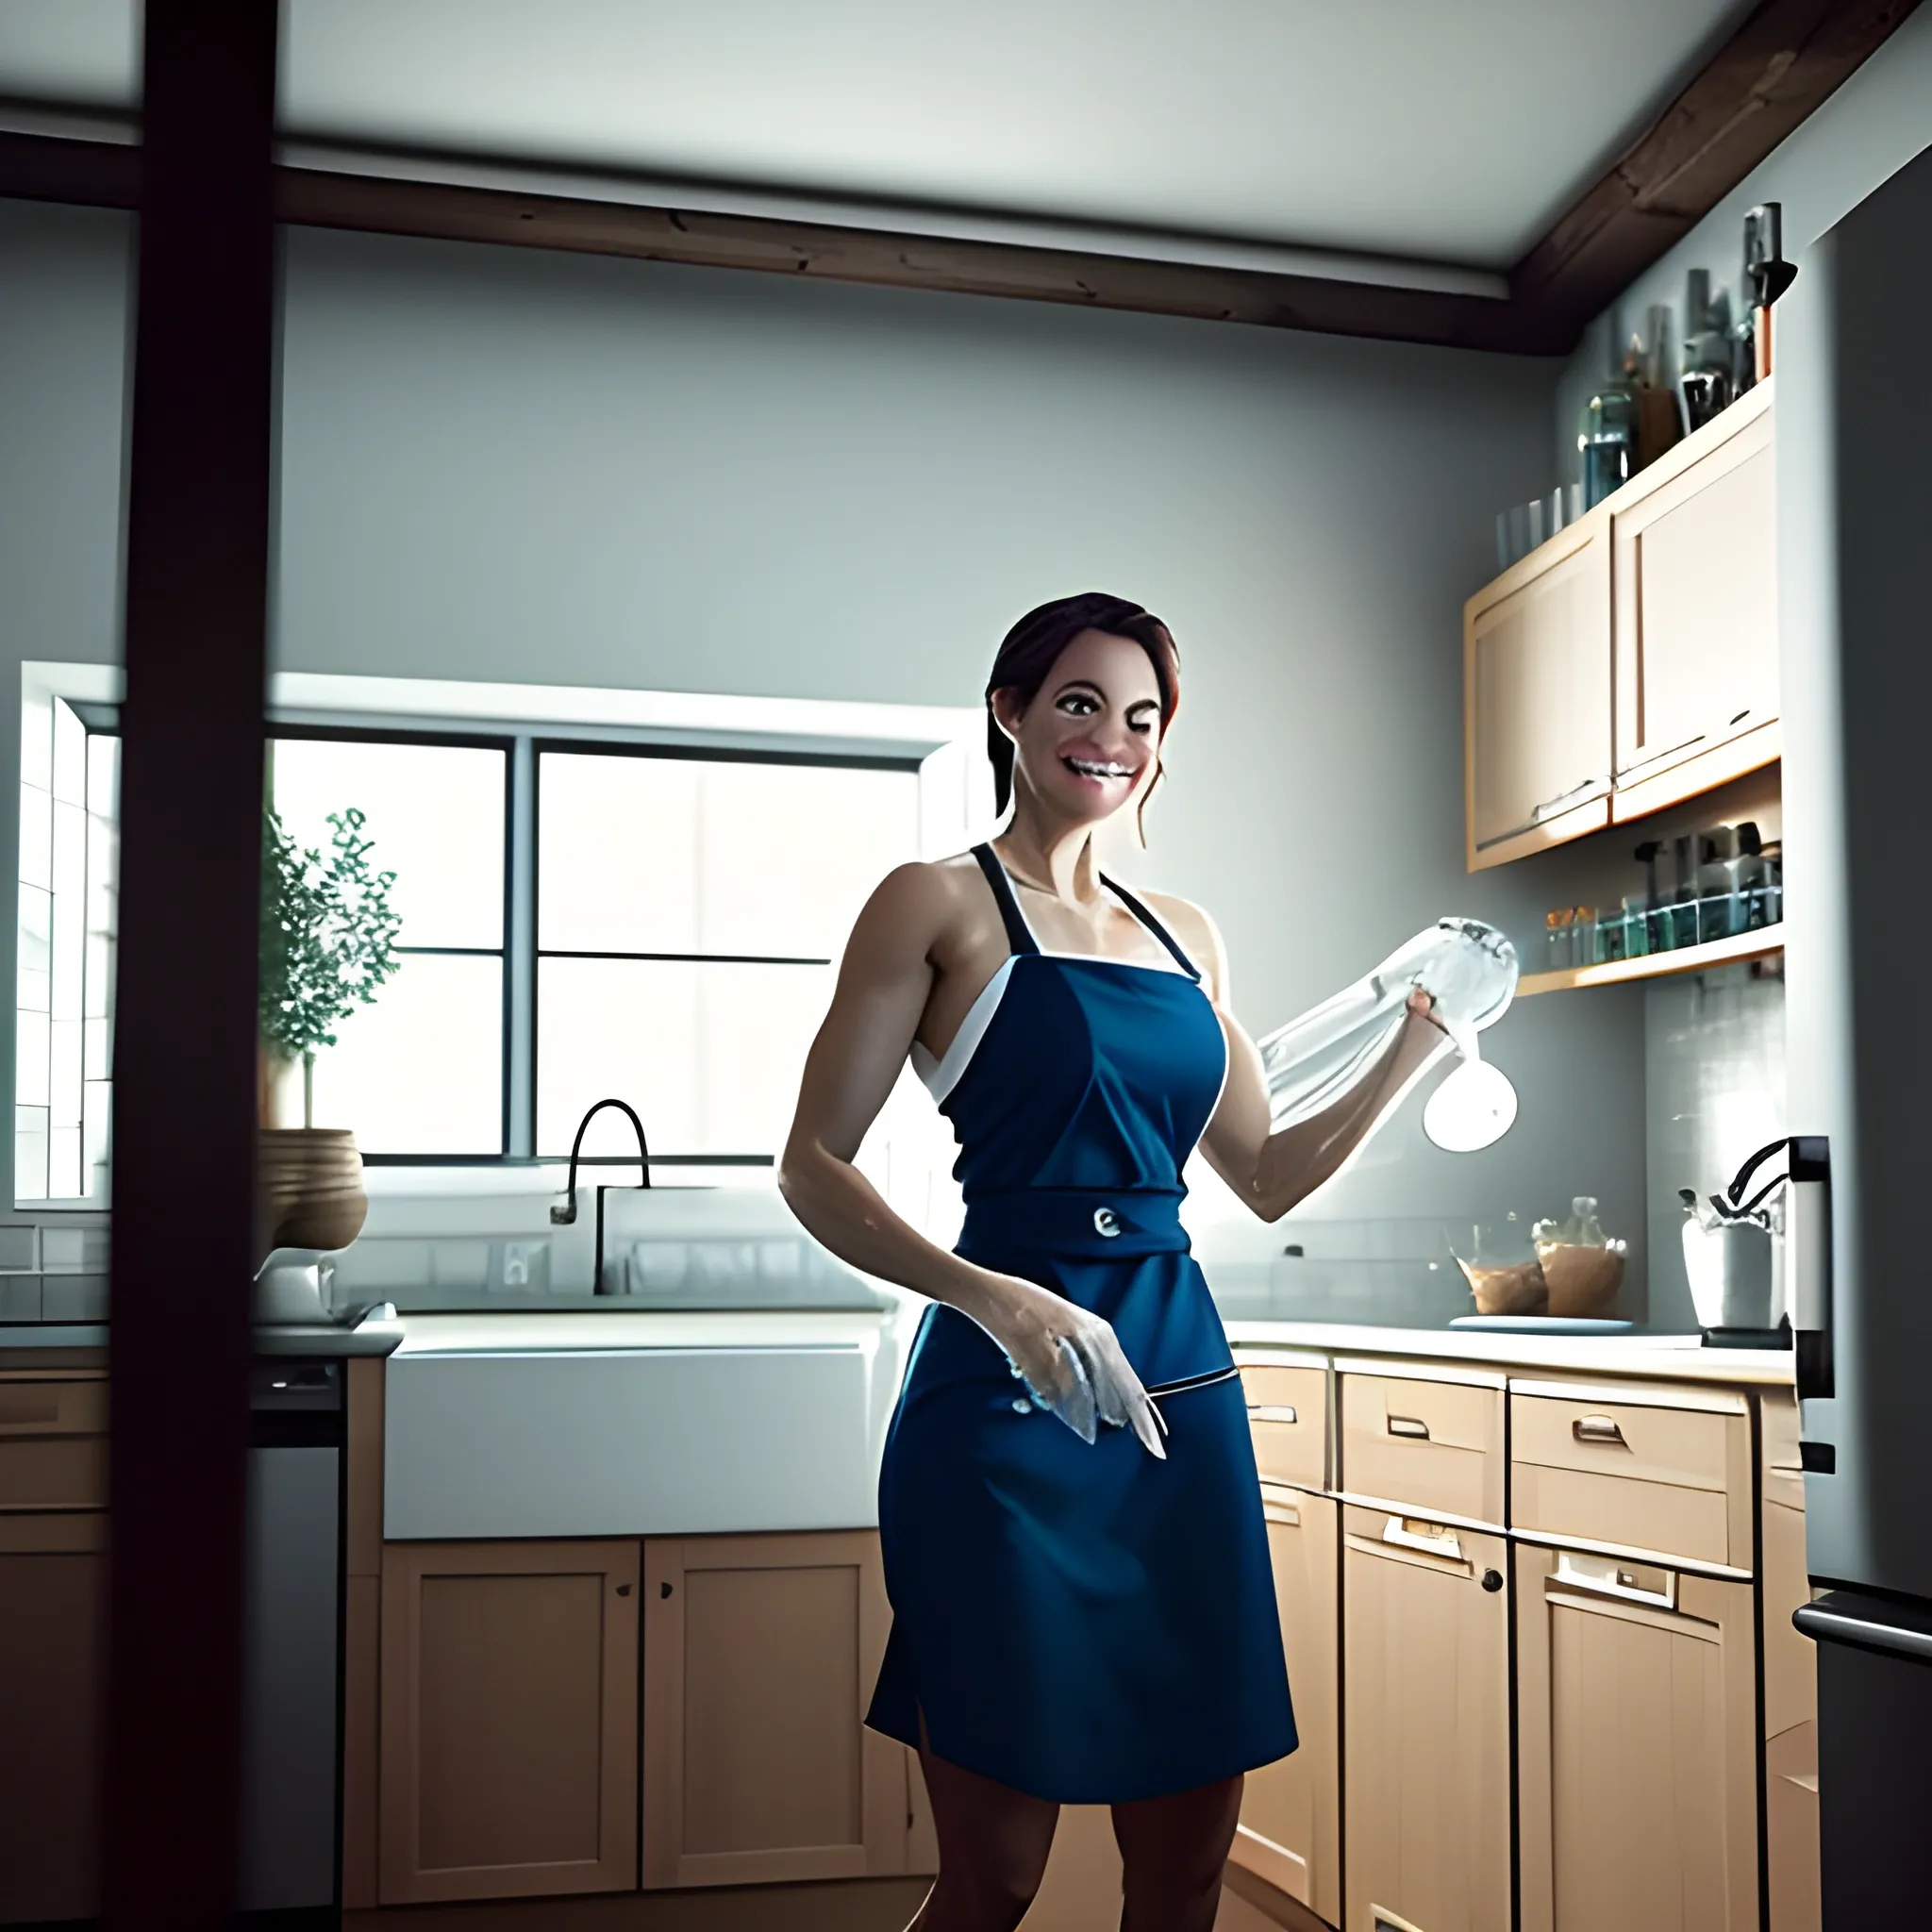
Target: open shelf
column 1759, row 944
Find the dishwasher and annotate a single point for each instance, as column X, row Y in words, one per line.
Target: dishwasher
column 291, row 1829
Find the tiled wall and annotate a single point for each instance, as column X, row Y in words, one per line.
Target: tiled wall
column 54, row 1270
column 1714, row 1048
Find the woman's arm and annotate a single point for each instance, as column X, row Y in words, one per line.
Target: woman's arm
column 1275, row 1171
column 884, row 981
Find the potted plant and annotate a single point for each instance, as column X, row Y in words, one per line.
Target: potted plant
column 327, row 946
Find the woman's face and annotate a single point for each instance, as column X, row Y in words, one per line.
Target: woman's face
column 1088, row 738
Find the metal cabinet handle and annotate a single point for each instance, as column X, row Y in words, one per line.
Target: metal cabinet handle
column 1578, row 795
column 1284, row 1513
column 1271, row 1412
column 1598, row 1428
column 1410, row 1426
column 1740, row 718
column 1445, row 1543
column 663, row 1590
column 1603, row 1578
column 624, row 1590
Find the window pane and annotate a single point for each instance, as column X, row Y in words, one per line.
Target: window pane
column 708, row 1054
column 617, row 854
column 623, row 1028
column 789, row 853
column 436, row 813
column 754, row 1024
column 420, row 1072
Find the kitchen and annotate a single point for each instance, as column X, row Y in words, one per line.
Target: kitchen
column 855, row 490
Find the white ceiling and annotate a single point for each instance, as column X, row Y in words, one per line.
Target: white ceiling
column 1443, row 130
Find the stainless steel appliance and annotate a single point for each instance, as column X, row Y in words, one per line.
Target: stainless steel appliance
column 291, row 1703
column 1855, row 587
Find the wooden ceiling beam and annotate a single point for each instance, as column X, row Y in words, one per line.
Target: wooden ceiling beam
column 1784, row 62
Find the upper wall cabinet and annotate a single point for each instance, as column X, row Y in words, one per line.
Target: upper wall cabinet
column 1695, row 600
column 1537, row 699
column 1631, row 662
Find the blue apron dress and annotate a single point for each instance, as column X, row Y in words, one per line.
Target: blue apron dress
column 1082, row 1621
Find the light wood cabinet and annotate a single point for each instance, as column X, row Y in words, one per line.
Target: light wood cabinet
column 508, row 1746
column 53, row 1628
column 1790, row 1680
column 1648, row 1470
column 1290, row 1823
column 1425, row 1718
column 1636, row 1747
column 759, row 1657
column 1433, row 1442
column 1631, row 662
column 1694, row 594
column 1537, row 699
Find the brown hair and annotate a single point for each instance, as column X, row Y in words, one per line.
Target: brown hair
column 1029, row 650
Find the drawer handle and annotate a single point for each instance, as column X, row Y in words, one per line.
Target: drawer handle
column 1284, row 1513
column 1441, row 1542
column 1413, row 1426
column 1598, row 1428
column 1603, row 1578
column 1271, row 1412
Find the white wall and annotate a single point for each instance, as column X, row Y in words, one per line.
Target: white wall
column 511, row 465
column 1861, row 136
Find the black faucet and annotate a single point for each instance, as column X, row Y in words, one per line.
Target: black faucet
column 564, row 1213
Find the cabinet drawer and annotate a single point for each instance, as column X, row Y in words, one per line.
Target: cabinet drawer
column 54, row 1473
column 1288, row 1414
column 1436, row 1447
column 1645, row 1470
column 53, row 1409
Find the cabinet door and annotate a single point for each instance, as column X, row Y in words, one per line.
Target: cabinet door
column 1426, row 1713
column 1695, row 574
column 1636, row 1748
column 509, row 1749
column 1290, row 1832
column 53, row 1625
column 759, row 1657
column 1537, row 699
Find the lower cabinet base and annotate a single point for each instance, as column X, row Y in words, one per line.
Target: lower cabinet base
column 856, row 1904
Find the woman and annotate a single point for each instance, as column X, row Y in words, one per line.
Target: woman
column 1082, row 1614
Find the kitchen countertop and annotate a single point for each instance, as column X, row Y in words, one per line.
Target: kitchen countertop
column 1654, row 1357
column 320, row 1341
column 599, row 1329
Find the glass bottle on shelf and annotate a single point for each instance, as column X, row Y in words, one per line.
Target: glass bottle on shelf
column 1583, row 935
column 1557, row 941
column 1606, row 438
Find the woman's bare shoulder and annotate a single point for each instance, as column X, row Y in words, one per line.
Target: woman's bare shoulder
column 1197, row 934
column 920, row 899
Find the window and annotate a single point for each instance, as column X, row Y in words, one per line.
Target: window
column 690, row 914
column 578, row 919
column 422, row 1070
column 64, row 973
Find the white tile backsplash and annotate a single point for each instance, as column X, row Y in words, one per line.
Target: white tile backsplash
column 1714, row 1049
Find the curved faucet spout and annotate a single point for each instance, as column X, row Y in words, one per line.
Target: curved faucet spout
column 564, row 1213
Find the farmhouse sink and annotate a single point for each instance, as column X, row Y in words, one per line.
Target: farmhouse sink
column 636, row 1423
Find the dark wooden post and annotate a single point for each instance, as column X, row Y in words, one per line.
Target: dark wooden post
column 199, row 498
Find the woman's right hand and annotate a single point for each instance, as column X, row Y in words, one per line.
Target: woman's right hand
column 1072, row 1361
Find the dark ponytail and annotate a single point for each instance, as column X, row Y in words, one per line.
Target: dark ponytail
column 1029, row 651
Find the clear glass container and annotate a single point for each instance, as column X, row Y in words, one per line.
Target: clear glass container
column 1470, row 967
column 1498, row 1259
column 1636, row 926
column 1557, row 948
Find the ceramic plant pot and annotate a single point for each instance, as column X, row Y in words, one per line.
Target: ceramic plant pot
column 308, row 1188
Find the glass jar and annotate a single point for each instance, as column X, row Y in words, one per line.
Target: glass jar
column 1636, row 926
column 1558, row 955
